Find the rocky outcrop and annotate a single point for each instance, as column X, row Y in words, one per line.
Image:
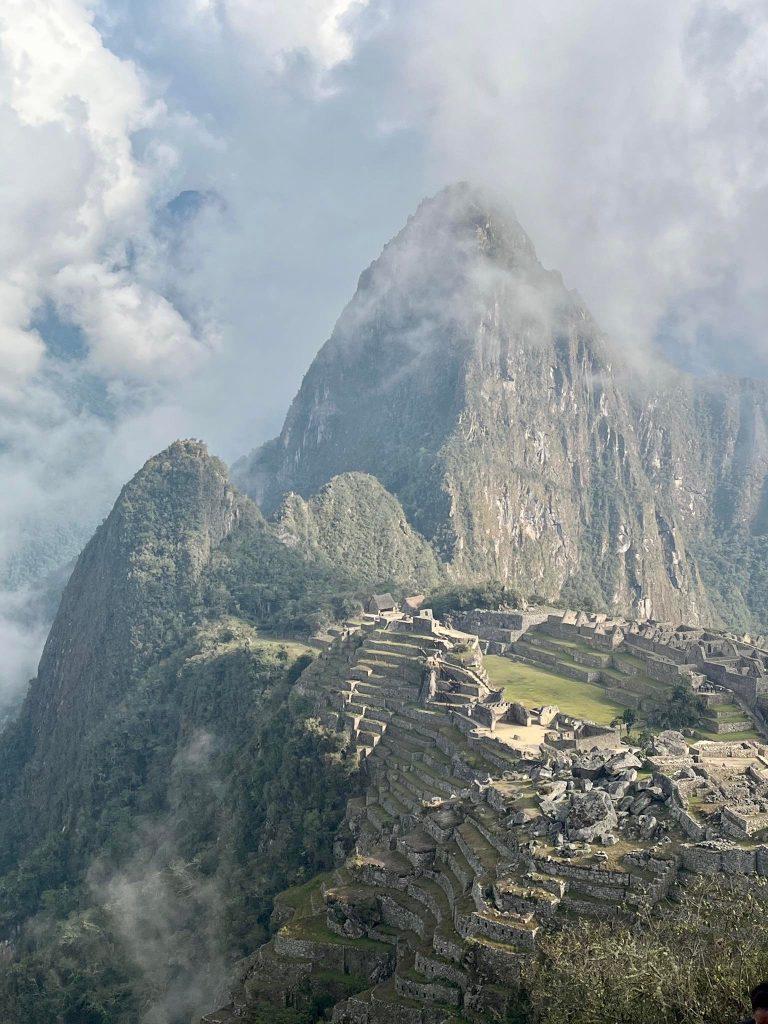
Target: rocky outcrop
column 476, row 388
column 591, row 815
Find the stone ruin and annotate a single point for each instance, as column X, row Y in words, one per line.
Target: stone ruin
column 482, row 821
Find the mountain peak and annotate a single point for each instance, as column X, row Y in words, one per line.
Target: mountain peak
column 471, row 212
column 450, row 246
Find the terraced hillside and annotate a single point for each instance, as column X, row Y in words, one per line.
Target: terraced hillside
column 549, row 657
column 457, row 853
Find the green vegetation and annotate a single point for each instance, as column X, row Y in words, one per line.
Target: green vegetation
column 682, row 709
column 254, row 575
column 217, row 790
column 185, row 784
column 355, row 524
column 734, row 567
column 697, row 964
column 625, row 720
column 726, row 737
column 534, row 686
column 491, row 594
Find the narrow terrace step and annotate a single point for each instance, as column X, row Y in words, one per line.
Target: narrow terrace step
column 406, row 742
column 482, row 857
column 408, row 736
column 412, row 984
column 366, row 738
column 374, row 725
column 442, row 785
column 405, row 797
column 448, row 882
column 379, row 817
column 370, row 696
column 400, row 910
column 386, row 659
column 514, row 931
column 395, row 806
column 401, row 637
column 415, row 788
column 428, row 892
column 403, row 753
column 387, row 1005
column 391, row 646
column 434, row 966
column 451, row 855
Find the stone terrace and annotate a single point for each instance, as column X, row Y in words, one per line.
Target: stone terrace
column 463, row 846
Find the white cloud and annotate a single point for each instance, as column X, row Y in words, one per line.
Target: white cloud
column 631, row 138
column 78, row 197
column 278, row 30
column 131, row 329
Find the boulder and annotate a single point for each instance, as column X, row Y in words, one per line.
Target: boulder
column 618, row 789
column 622, row 762
column 648, row 826
column 640, row 803
column 590, row 816
column 589, row 766
column 554, row 790
column 670, row 744
column 555, row 810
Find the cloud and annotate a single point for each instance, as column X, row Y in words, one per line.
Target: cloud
column 632, row 139
column 90, row 154
column 168, row 915
column 278, row 32
column 190, row 190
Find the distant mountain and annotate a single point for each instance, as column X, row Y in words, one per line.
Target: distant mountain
column 480, row 392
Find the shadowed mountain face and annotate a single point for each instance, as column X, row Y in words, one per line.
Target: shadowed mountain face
column 135, row 589
column 476, row 388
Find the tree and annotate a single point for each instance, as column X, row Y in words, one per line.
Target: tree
column 683, row 967
column 629, row 717
column 682, row 709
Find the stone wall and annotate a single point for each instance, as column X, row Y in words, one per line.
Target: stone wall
column 640, row 645
column 428, row 992
column 498, row 966
column 484, row 621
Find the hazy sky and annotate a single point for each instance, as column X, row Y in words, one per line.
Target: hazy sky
column 190, row 189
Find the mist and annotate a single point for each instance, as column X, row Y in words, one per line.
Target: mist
column 191, row 190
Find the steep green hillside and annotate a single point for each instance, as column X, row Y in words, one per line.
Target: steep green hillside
column 162, row 779
column 356, row 523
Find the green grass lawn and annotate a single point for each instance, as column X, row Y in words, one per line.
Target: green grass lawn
column 726, row 737
column 294, row 647
column 534, row 687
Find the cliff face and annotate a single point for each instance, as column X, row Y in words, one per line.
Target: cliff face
column 134, row 589
column 477, row 389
